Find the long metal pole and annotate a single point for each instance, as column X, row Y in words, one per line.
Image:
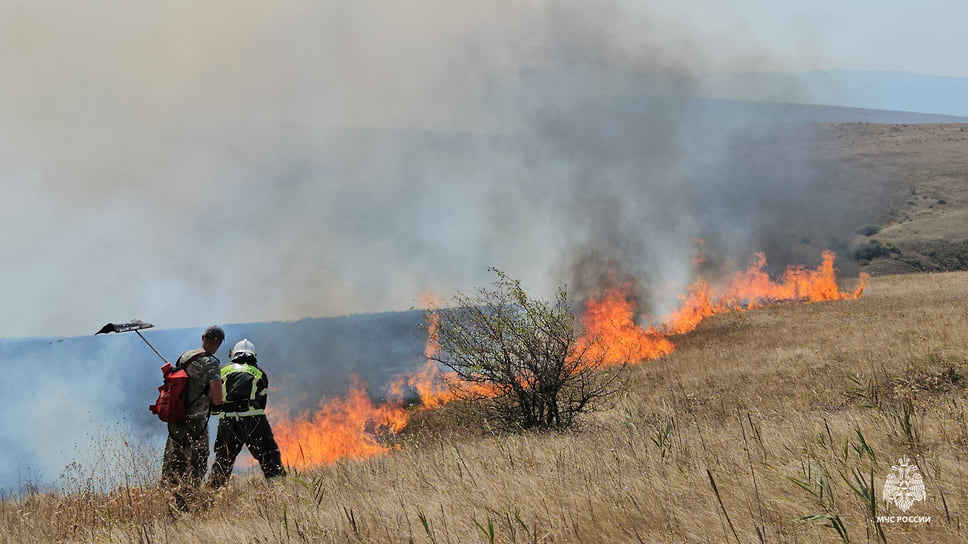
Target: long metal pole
column 152, row 347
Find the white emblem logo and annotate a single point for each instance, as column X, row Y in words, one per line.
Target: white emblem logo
column 904, row 485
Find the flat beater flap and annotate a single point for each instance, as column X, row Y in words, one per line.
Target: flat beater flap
column 135, row 325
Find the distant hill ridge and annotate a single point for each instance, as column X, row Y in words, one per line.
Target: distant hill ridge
column 785, row 112
column 874, row 90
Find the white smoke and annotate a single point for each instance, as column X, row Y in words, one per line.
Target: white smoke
column 191, row 163
column 243, row 161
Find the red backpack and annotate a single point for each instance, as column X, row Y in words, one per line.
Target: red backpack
column 171, row 406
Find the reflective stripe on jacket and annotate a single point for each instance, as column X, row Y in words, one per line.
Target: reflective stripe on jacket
column 252, row 412
column 244, row 388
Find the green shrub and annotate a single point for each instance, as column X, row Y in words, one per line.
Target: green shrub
column 874, row 249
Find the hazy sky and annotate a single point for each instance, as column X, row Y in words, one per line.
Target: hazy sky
column 889, row 35
column 190, row 162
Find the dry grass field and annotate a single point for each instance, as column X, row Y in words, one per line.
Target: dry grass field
column 773, row 425
column 704, row 445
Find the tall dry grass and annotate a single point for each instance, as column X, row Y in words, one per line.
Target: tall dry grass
column 774, row 425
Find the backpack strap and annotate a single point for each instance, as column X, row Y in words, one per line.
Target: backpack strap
column 180, row 365
column 195, row 354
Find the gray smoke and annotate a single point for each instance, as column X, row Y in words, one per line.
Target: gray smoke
column 235, row 161
column 242, row 162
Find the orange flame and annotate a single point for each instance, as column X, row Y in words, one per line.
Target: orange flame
column 344, row 427
column 610, row 317
column 348, row 427
column 434, row 386
column 611, row 334
column 753, row 288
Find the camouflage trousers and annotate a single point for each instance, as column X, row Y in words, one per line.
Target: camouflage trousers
column 186, row 453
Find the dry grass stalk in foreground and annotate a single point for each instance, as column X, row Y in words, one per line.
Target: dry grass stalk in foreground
column 760, row 422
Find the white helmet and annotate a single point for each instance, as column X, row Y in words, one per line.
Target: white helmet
column 241, row 349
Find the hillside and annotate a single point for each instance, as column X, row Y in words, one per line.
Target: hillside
column 910, row 183
column 706, row 444
column 746, row 396
column 888, row 198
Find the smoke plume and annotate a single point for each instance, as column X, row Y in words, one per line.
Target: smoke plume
column 192, row 163
column 239, row 162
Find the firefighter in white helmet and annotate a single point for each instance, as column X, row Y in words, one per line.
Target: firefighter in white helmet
column 243, row 421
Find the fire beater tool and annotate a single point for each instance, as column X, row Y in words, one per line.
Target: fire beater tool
column 135, row 326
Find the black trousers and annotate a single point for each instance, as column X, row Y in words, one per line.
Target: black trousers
column 253, row 432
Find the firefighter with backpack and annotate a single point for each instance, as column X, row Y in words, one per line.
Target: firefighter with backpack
column 243, row 419
column 186, row 451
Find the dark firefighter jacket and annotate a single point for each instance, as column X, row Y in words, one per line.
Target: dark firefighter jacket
column 244, row 388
